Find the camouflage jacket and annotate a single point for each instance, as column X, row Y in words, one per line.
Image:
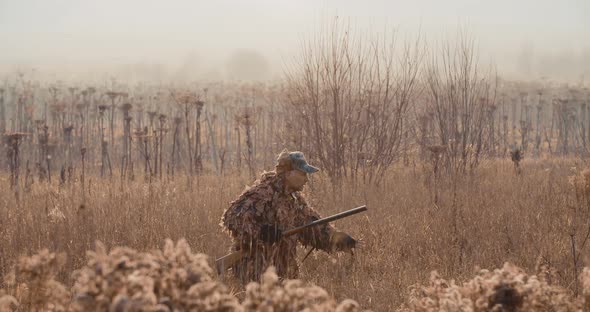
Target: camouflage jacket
column 267, row 202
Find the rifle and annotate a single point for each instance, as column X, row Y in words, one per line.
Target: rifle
column 229, row 260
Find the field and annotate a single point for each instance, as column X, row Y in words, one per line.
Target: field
column 113, row 184
column 481, row 221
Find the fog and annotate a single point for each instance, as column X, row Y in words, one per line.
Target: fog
column 252, row 39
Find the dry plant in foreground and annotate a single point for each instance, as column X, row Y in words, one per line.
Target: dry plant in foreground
column 176, row 279
column 505, row 289
column 172, row 279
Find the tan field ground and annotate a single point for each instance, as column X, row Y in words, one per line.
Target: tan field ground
column 480, row 222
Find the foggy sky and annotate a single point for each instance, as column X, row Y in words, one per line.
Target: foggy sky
column 523, row 37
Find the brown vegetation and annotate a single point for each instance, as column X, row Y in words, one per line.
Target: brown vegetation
column 421, row 136
column 529, row 220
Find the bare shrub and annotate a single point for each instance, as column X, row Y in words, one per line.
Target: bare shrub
column 350, row 94
column 460, row 97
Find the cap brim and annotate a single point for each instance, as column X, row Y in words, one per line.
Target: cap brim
column 309, row 169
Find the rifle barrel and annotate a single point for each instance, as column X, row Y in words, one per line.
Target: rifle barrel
column 229, row 260
column 337, row 216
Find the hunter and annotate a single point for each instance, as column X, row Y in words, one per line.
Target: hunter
column 274, row 204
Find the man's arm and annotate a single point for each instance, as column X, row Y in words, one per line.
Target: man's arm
column 323, row 237
column 245, row 219
column 317, row 236
column 241, row 220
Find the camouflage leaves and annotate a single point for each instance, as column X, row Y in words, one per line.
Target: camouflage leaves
column 266, row 202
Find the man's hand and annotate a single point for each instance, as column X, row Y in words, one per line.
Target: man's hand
column 341, row 241
column 270, row 234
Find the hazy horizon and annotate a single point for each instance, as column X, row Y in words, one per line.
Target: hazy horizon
column 189, row 39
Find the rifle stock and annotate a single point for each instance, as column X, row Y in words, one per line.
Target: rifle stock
column 227, row 261
column 231, row 259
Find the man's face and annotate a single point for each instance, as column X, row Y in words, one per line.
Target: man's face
column 296, row 179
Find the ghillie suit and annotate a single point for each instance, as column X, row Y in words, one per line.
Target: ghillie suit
column 268, row 203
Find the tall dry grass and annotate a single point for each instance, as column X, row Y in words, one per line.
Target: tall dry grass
column 480, row 222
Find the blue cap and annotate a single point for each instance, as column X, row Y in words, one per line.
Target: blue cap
column 298, row 162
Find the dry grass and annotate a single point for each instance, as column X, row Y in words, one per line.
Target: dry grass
column 171, row 279
column 481, row 222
